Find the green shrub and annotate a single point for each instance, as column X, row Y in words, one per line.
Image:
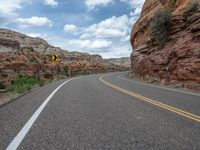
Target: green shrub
column 66, row 69
column 2, row 86
column 23, row 83
column 160, row 27
column 192, row 6
column 171, row 4
column 23, row 36
column 12, row 89
column 8, row 59
column 41, row 83
column 12, row 82
column 32, row 59
column 82, row 72
column 28, row 48
column 31, row 49
column 48, row 75
column 28, row 87
column 13, row 58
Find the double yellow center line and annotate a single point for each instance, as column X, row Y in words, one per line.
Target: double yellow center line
column 154, row 102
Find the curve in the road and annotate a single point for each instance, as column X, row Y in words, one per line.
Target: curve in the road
column 22, row 133
column 153, row 102
column 160, row 87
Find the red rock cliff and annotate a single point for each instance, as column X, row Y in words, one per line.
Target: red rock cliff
column 179, row 60
column 21, row 54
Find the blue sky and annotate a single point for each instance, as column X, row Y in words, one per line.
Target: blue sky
column 93, row 26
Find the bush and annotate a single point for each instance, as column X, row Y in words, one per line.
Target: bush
column 48, row 75
column 23, row 83
column 32, row 59
column 171, row 5
column 28, row 87
column 66, row 69
column 192, row 6
column 160, row 27
column 2, row 86
column 12, row 82
column 8, row 59
column 41, row 83
column 23, row 36
column 82, row 72
column 29, row 48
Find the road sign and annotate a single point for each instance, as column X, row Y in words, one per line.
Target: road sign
column 54, row 57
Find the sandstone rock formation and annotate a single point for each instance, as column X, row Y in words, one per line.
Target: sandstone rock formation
column 179, row 60
column 21, row 54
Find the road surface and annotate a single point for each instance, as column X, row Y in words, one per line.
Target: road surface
column 101, row 112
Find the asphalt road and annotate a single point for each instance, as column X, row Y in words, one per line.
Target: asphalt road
column 101, row 112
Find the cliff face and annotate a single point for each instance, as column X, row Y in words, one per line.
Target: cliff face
column 179, row 60
column 21, row 54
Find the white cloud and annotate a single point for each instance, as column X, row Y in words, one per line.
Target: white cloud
column 134, row 3
column 70, row 28
column 34, row 21
column 9, row 7
column 91, row 4
column 38, row 35
column 91, row 44
column 101, row 32
column 51, row 2
column 136, row 12
column 34, row 35
column 109, row 38
column 117, row 51
column 125, row 39
column 113, row 27
column 107, row 49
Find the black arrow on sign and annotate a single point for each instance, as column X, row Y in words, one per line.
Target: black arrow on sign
column 54, row 57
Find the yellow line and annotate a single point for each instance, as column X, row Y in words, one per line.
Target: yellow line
column 154, row 102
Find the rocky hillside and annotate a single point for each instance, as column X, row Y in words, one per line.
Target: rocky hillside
column 177, row 59
column 21, row 54
column 123, row 62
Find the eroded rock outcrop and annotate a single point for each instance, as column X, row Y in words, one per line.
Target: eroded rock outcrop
column 21, row 54
column 179, row 60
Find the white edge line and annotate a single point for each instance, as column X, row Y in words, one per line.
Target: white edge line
column 190, row 93
column 22, row 133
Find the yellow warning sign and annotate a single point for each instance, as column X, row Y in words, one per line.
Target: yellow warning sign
column 54, row 57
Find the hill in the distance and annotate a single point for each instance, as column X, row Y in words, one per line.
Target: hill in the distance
column 24, row 55
column 123, row 62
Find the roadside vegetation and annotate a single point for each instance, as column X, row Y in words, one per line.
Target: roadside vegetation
column 171, row 5
column 31, row 59
column 24, row 83
column 2, row 86
column 160, row 27
column 192, row 6
column 82, row 72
